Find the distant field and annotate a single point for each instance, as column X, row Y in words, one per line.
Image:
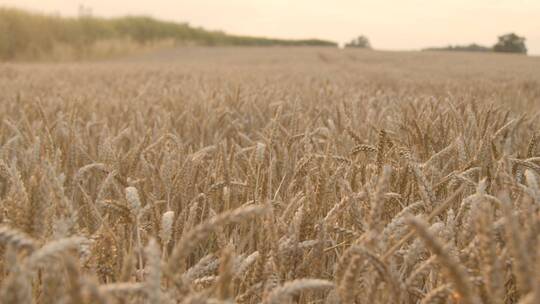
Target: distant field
column 271, row 175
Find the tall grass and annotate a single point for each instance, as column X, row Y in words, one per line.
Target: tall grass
column 25, row 35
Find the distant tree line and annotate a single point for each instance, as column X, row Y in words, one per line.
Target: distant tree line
column 508, row 43
column 462, row 48
column 33, row 34
column 30, row 35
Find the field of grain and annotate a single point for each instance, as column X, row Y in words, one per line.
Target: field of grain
column 271, row 175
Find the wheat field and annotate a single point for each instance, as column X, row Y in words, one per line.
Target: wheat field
column 271, row 175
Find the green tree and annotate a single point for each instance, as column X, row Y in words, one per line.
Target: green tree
column 511, row 43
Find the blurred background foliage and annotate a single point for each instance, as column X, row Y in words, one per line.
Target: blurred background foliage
column 26, row 36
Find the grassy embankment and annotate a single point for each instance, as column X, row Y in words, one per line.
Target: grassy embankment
column 32, row 36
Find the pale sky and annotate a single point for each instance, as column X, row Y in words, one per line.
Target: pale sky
column 390, row 24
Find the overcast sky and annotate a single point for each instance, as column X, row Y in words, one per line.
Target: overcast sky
column 390, row 24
